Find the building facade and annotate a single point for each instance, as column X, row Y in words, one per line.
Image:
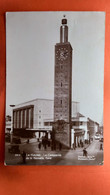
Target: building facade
column 35, row 117
column 93, row 127
column 28, row 117
column 79, row 131
column 8, row 124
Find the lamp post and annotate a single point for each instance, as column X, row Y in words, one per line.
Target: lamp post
column 11, row 132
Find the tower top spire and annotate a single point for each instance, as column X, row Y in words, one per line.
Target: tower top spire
column 64, row 31
column 64, row 20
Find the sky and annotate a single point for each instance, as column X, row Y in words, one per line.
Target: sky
column 30, row 43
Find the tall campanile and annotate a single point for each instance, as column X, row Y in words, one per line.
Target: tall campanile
column 63, row 88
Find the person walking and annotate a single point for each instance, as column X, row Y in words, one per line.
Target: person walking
column 60, row 146
column 101, row 148
column 39, row 145
column 24, row 157
column 84, row 152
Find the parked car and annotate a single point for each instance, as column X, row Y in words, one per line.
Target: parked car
column 13, row 149
column 97, row 137
column 16, row 140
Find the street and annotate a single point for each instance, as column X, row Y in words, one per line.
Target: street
column 34, row 156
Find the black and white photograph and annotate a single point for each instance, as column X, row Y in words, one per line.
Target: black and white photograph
column 54, row 88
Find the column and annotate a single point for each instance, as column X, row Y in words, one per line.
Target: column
column 23, row 119
column 27, row 118
column 19, row 118
column 31, row 119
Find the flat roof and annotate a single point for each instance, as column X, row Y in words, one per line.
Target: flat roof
column 37, row 99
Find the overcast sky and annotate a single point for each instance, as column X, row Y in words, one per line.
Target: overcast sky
column 30, row 41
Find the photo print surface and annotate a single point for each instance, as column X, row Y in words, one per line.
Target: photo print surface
column 54, row 88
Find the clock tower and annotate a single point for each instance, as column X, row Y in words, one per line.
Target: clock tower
column 63, row 88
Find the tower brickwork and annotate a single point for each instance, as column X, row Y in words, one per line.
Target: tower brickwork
column 63, row 88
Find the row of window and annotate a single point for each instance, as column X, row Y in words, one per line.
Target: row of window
column 23, row 118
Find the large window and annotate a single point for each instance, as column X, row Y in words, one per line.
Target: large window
column 17, row 119
column 29, row 118
column 14, row 119
column 23, row 117
column 21, row 125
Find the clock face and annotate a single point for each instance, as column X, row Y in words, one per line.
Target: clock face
column 62, row 54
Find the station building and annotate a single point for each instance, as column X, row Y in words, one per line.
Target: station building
column 35, row 118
